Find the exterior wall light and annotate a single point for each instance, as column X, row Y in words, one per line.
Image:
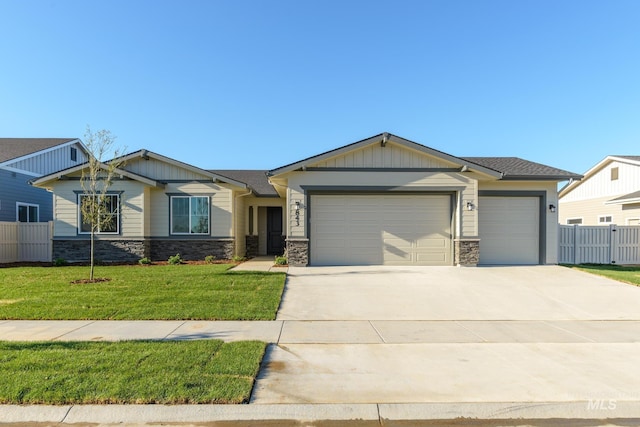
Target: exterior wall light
column 470, row 206
column 552, row 208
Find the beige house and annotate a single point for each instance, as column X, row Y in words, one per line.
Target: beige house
column 383, row 200
column 608, row 194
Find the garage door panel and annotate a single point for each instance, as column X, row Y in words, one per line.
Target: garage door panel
column 509, row 229
column 394, row 230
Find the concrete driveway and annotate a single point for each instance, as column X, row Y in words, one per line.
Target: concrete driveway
column 448, row 335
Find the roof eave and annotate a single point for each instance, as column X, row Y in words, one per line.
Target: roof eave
column 541, row 177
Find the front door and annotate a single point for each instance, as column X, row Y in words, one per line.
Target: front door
column 274, row 231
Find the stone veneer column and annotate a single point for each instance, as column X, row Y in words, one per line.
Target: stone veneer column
column 251, row 243
column 467, row 252
column 298, row 252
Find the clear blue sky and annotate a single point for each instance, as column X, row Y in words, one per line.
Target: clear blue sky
column 259, row 84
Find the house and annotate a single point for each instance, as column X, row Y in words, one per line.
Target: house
column 608, row 194
column 382, row 200
column 23, row 159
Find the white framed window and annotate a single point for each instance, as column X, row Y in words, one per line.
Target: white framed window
column 633, row 221
column 189, row 215
column 605, row 219
column 74, row 154
column 573, row 221
column 110, row 222
column 27, row 212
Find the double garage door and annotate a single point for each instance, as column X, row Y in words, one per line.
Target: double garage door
column 412, row 229
column 358, row 229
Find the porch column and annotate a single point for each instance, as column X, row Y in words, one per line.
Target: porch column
column 255, row 220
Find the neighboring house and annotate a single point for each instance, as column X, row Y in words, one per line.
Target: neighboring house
column 608, row 194
column 23, row 159
column 382, row 200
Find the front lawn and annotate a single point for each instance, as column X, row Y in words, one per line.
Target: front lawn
column 163, row 372
column 167, row 292
column 616, row 272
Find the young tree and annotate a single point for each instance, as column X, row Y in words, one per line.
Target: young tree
column 97, row 207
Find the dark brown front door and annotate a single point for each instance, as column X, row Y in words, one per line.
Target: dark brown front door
column 274, row 231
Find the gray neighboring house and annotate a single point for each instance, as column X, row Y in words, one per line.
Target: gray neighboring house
column 25, row 159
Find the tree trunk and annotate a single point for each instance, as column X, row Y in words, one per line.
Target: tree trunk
column 92, row 245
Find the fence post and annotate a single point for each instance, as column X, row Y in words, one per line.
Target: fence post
column 613, row 243
column 575, row 244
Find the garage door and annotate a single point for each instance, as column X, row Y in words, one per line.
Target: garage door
column 509, row 229
column 380, row 230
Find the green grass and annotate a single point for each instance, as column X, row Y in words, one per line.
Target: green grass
column 623, row 274
column 137, row 372
column 199, row 292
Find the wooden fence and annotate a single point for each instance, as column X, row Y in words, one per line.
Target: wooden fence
column 613, row 244
column 25, row 241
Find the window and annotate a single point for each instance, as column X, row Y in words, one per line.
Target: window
column 74, row 154
column 573, row 221
column 110, row 220
column 189, row 215
column 605, row 219
column 26, row 212
column 614, row 174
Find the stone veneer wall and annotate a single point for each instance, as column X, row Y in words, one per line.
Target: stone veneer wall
column 105, row 250
column 251, row 243
column 191, row 249
column 467, row 252
column 298, row 252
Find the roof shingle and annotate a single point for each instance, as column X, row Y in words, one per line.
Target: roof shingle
column 515, row 167
column 256, row 179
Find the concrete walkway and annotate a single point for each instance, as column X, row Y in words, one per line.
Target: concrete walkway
column 260, row 263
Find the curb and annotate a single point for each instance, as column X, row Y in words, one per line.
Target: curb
column 125, row 414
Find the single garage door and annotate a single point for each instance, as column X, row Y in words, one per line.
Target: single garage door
column 357, row 229
column 509, row 229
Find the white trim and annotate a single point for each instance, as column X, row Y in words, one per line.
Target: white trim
column 571, row 219
column 588, row 174
column 632, row 219
column 122, row 172
column 189, row 197
column 18, row 204
column 79, row 228
column 605, row 217
column 20, row 171
column 46, row 150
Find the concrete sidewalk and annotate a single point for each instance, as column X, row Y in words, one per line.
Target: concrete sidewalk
column 260, row 263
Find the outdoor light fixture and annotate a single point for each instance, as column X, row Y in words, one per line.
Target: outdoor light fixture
column 470, row 206
column 552, row 207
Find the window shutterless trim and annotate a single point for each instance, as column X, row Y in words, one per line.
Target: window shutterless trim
column 573, row 219
column 189, row 197
column 28, row 205
column 117, row 214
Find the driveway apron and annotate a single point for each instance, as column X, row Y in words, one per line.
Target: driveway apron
column 447, row 334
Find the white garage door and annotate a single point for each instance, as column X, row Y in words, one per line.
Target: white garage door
column 380, row 230
column 509, row 229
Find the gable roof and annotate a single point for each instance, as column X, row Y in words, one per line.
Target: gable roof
column 505, row 168
column 627, row 199
column 515, row 168
column 383, row 138
column 15, row 148
column 634, row 160
column 257, row 180
column 41, row 182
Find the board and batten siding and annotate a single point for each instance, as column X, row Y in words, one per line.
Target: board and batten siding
column 551, row 219
column 163, row 171
column 51, row 161
column 221, row 199
column 466, row 220
column 600, row 184
column 390, row 156
column 591, row 209
column 131, row 202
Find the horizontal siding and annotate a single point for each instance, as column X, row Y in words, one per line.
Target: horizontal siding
column 14, row 188
column 51, row 161
column 221, row 207
column 163, row 171
column 131, row 202
column 390, row 156
column 601, row 185
column 468, row 219
column 590, row 210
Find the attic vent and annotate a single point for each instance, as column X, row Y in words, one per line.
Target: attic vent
column 614, row 174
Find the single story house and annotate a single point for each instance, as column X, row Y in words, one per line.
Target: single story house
column 608, row 194
column 383, row 200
